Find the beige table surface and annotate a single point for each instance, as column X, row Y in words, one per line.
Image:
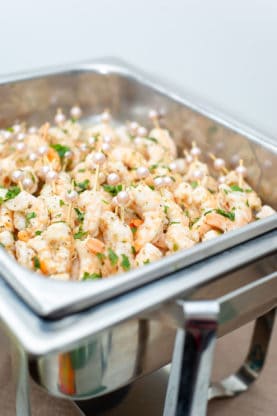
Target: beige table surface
column 147, row 394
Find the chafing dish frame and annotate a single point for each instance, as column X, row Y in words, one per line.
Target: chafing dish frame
column 25, row 93
column 173, row 303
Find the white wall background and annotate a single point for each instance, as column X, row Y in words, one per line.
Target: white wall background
column 221, row 50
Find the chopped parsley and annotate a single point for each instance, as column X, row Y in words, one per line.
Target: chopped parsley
column 60, row 149
column 151, row 187
column 36, row 262
column 29, row 216
column 248, row 190
column 113, row 257
column 175, row 247
column 80, row 234
column 153, row 167
column 92, row 276
column 62, row 203
column 38, row 232
column 125, row 262
column 208, row 212
column 13, row 191
column 166, row 209
column 10, row 129
column 236, row 188
column 152, row 139
column 101, row 257
column 134, row 229
column 230, row 215
column 174, row 222
column 133, row 250
column 80, row 214
column 113, row 189
column 194, row 184
column 147, row 261
column 83, row 185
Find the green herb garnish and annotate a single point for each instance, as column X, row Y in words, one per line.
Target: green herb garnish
column 153, row 167
column 100, row 256
column 166, row 209
column 174, row 222
column 60, row 149
column 62, row 203
column 36, row 262
column 83, row 185
column 230, row 215
column 113, row 257
column 133, row 250
column 151, row 187
column 194, row 184
column 29, row 216
column 113, row 189
column 38, row 232
column 147, row 261
column 134, row 229
column 13, row 191
column 236, row 188
column 80, row 214
column 125, row 262
column 152, row 139
column 92, row 276
column 80, row 234
column 175, row 247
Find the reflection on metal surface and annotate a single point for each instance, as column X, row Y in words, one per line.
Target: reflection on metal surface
column 21, row 381
column 118, row 355
column 250, row 370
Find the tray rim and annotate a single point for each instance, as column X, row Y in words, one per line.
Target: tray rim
column 40, row 337
column 55, row 298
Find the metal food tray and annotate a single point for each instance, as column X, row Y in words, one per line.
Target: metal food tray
column 204, row 293
column 129, row 94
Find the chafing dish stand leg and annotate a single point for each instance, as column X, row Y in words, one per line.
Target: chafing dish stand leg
column 187, row 392
column 21, row 381
column 250, row 370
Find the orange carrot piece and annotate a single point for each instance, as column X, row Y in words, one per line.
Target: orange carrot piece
column 23, row 235
column 66, row 374
column 43, row 267
column 135, row 222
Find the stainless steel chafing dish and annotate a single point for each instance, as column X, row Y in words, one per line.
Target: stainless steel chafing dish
column 81, row 341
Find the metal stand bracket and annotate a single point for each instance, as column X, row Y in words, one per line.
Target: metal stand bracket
column 187, row 392
column 21, row 381
column 250, row 370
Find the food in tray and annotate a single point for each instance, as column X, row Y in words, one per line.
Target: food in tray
column 83, row 203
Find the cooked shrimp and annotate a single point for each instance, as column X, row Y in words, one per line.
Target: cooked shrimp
column 54, row 248
column 29, row 212
column 148, row 205
column 265, row 211
column 88, row 261
column 165, row 140
column 118, row 237
column 91, row 203
column 148, row 254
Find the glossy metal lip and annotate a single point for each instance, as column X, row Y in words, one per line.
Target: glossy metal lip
column 39, row 336
column 54, row 298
